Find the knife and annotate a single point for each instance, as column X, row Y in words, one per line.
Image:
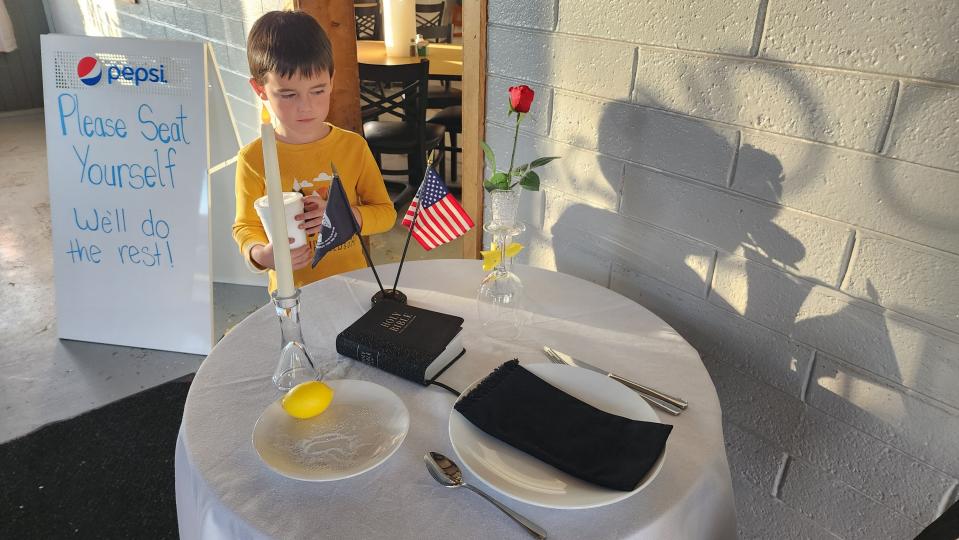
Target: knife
column 665, row 401
column 652, row 401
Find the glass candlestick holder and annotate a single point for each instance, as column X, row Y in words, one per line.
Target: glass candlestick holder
column 295, row 365
column 500, row 300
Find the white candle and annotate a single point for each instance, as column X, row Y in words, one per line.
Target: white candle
column 274, row 192
column 399, row 23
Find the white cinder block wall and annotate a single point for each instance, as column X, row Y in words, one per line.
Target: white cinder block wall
column 224, row 23
column 777, row 180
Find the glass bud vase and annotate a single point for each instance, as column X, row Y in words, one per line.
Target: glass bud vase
column 500, row 300
column 295, row 365
column 504, row 203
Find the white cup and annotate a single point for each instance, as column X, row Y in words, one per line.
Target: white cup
column 293, row 206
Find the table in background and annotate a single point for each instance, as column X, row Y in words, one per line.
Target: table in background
column 446, row 59
column 223, row 490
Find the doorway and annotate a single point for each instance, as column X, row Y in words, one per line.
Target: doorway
column 469, row 19
column 20, row 80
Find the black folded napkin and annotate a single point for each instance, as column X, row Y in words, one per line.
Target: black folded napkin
column 529, row 414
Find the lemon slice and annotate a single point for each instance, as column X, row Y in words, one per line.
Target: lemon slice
column 307, row 400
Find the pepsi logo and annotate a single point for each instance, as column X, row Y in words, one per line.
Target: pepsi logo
column 89, row 70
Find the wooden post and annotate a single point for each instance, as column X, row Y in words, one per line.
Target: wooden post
column 336, row 17
column 474, row 119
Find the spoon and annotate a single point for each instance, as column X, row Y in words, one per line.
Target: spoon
column 448, row 474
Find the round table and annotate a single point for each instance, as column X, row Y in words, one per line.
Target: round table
column 223, row 490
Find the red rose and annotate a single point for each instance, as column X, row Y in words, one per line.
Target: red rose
column 520, row 98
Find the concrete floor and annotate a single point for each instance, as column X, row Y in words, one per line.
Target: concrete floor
column 44, row 379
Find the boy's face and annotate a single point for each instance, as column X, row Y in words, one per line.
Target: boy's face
column 299, row 103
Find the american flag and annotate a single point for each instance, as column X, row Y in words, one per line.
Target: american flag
column 441, row 218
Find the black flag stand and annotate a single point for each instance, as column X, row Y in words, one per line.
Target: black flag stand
column 356, row 227
column 394, row 294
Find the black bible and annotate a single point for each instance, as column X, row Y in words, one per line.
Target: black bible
column 410, row 342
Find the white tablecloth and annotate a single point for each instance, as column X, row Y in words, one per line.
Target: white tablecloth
column 223, row 490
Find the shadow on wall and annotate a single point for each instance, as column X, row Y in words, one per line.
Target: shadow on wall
column 661, row 212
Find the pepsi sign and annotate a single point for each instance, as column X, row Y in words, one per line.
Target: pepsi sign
column 90, row 71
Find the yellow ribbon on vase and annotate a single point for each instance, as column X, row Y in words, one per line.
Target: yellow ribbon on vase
column 493, row 257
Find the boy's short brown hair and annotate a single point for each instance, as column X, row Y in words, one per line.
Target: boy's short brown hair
column 288, row 43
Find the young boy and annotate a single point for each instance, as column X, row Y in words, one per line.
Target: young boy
column 291, row 63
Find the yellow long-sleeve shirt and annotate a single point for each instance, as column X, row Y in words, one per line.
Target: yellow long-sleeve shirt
column 306, row 167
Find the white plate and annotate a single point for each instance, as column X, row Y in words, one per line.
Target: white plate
column 363, row 426
column 520, row 476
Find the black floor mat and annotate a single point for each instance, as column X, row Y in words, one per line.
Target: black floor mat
column 107, row 473
column 946, row 527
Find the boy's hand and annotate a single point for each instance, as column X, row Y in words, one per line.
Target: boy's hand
column 314, row 206
column 301, row 256
column 263, row 256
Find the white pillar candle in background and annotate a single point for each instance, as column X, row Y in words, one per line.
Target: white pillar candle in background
column 399, row 24
column 274, row 191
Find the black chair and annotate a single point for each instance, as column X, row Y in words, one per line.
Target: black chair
column 369, row 26
column 399, row 91
column 440, row 33
column 441, row 97
column 451, row 118
column 369, row 22
column 429, row 14
column 445, row 95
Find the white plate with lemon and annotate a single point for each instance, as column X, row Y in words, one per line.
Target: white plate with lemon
column 323, row 431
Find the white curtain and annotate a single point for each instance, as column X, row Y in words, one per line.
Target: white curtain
column 8, row 42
